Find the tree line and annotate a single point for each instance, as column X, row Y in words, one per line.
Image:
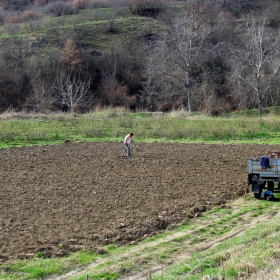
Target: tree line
column 212, row 56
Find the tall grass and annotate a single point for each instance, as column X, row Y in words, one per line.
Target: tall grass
column 112, row 125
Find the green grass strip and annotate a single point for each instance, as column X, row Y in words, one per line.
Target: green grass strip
column 112, row 125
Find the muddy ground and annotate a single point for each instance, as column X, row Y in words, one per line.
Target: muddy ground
column 60, row 199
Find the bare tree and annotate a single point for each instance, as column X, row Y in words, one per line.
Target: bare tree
column 10, row 95
column 116, row 93
column 17, row 53
column 174, row 66
column 72, row 90
column 257, row 61
column 40, row 98
column 114, row 71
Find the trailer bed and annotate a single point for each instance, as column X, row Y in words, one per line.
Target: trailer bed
column 264, row 173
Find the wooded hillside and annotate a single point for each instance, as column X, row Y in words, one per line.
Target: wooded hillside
column 75, row 55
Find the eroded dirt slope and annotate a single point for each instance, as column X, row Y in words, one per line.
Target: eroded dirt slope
column 85, row 195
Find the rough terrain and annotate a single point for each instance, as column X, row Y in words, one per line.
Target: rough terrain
column 58, row 199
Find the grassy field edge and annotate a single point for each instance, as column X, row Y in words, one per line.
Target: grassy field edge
column 230, row 241
column 19, row 130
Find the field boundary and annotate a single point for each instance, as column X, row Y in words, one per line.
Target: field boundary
column 183, row 254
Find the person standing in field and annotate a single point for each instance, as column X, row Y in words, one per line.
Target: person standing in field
column 127, row 144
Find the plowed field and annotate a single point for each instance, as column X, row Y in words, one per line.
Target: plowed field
column 58, row 199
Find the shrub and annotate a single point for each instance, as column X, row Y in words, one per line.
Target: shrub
column 106, row 3
column 60, row 8
column 147, row 7
column 80, row 4
column 40, row 2
column 25, row 16
column 13, row 19
column 40, row 255
column 214, row 106
column 29, row 15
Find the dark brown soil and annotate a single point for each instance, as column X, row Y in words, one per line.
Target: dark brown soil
column 59, row 199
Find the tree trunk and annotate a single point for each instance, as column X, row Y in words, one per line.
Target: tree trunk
column 190, row 101
column 188, row 86
column 261, row 106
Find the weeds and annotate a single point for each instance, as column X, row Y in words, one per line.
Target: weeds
column 112, row 124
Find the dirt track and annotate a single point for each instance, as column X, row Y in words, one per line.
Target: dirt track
column 85, row 195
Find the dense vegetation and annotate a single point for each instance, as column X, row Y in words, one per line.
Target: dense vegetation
column 158, row 55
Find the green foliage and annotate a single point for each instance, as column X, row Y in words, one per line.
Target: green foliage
column 111, row 247
column 40, row 255
column 82, row 257
column 113, row 125
column 105, row 276
column 40, row 266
